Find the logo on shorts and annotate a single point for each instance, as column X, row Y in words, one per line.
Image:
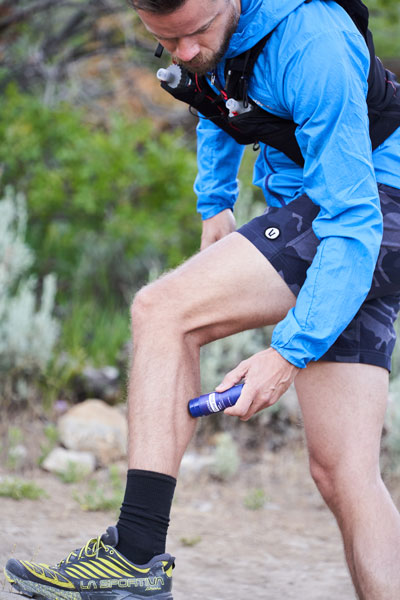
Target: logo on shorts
column 272, row 233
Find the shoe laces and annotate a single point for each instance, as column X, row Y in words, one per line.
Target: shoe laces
column 91, row 549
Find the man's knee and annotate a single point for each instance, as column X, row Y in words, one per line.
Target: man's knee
column 146, row 306
column 156, row 306
column 324, row 478
column 342, row 482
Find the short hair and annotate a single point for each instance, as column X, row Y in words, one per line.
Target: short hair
column 162, row 7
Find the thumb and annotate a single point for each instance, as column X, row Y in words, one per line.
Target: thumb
column 233, row 377
column 207, row 240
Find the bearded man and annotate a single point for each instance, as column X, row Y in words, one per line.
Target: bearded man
column 322, row 263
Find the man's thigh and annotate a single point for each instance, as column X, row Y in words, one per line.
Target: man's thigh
column 343, row 408
column 228, row 287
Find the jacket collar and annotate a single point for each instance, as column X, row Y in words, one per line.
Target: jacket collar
column 257, row 19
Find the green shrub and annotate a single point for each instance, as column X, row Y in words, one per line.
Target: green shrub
column 51, row 438
column 73, row 473
column 226, row 458
column 189, row 542
column 255, row 499
column 28, row 331
column 14, row 458
column 108, row 204
column 103, row 497
column 19, row 489
column 94, row 334
column 105, row 202
column 384, row 23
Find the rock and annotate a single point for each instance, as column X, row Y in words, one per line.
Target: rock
column 64, row 461
column 194, row 463
column 94, row 426
column 101, row 383
column 203, row 506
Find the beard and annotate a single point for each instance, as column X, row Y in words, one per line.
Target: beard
column 203, row 63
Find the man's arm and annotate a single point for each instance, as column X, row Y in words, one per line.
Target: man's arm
column 217, row 227
column 324, row 86
column 216, row 185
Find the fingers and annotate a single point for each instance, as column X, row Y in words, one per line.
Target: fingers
column 217, row 227
column 267, row 376
column 233, row 377
column 243, row 404
column 207, row 241
column 242, row 407
column 252, row 400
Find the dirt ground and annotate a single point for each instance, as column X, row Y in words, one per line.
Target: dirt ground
column 290, row 548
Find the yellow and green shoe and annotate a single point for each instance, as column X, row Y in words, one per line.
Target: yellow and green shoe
column 96, row 571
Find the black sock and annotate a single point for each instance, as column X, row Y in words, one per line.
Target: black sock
column 144, row 518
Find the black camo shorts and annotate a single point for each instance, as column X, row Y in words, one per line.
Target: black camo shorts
column 370, row 337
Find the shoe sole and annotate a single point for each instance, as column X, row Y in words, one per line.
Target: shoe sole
column 38, row 591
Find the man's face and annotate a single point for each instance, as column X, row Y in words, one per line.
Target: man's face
column 197, row 34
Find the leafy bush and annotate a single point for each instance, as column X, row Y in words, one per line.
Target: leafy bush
column 28, row 331
column 51, row 437
column 384, row 23
column 104, row 201
column 226, row 458
column 18, row 489
column 255, row 499
column 108, row 203
column 14, row 456
column 93, row 334
column 103, row 497
column 73, row 473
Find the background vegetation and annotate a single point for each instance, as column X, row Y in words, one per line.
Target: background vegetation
column 96, row 174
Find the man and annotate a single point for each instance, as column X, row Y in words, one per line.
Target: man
column 307, row 265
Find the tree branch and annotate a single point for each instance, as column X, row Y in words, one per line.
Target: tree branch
column 23, row 14
column 68, row 30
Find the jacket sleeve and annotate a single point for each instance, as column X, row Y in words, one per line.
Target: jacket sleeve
column 324, row 88
column 218, row 159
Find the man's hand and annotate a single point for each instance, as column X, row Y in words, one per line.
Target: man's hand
column 267, row 376
column 217, row 227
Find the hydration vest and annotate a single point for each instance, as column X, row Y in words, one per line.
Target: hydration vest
column 253, row 124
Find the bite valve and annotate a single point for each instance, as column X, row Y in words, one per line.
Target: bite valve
column 215, row 402
column 174, row 76
column 236, row 107
column 165, row 75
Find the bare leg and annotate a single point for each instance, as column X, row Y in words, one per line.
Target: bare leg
column 343, row 407
column 229, row 287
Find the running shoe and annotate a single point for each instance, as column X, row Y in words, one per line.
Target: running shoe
column 96, row 571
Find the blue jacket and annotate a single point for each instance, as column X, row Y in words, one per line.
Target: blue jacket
column 313, row 70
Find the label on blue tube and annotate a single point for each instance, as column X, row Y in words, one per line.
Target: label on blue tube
column 215, row 402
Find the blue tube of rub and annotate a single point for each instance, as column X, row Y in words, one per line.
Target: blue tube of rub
column 215, row 402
